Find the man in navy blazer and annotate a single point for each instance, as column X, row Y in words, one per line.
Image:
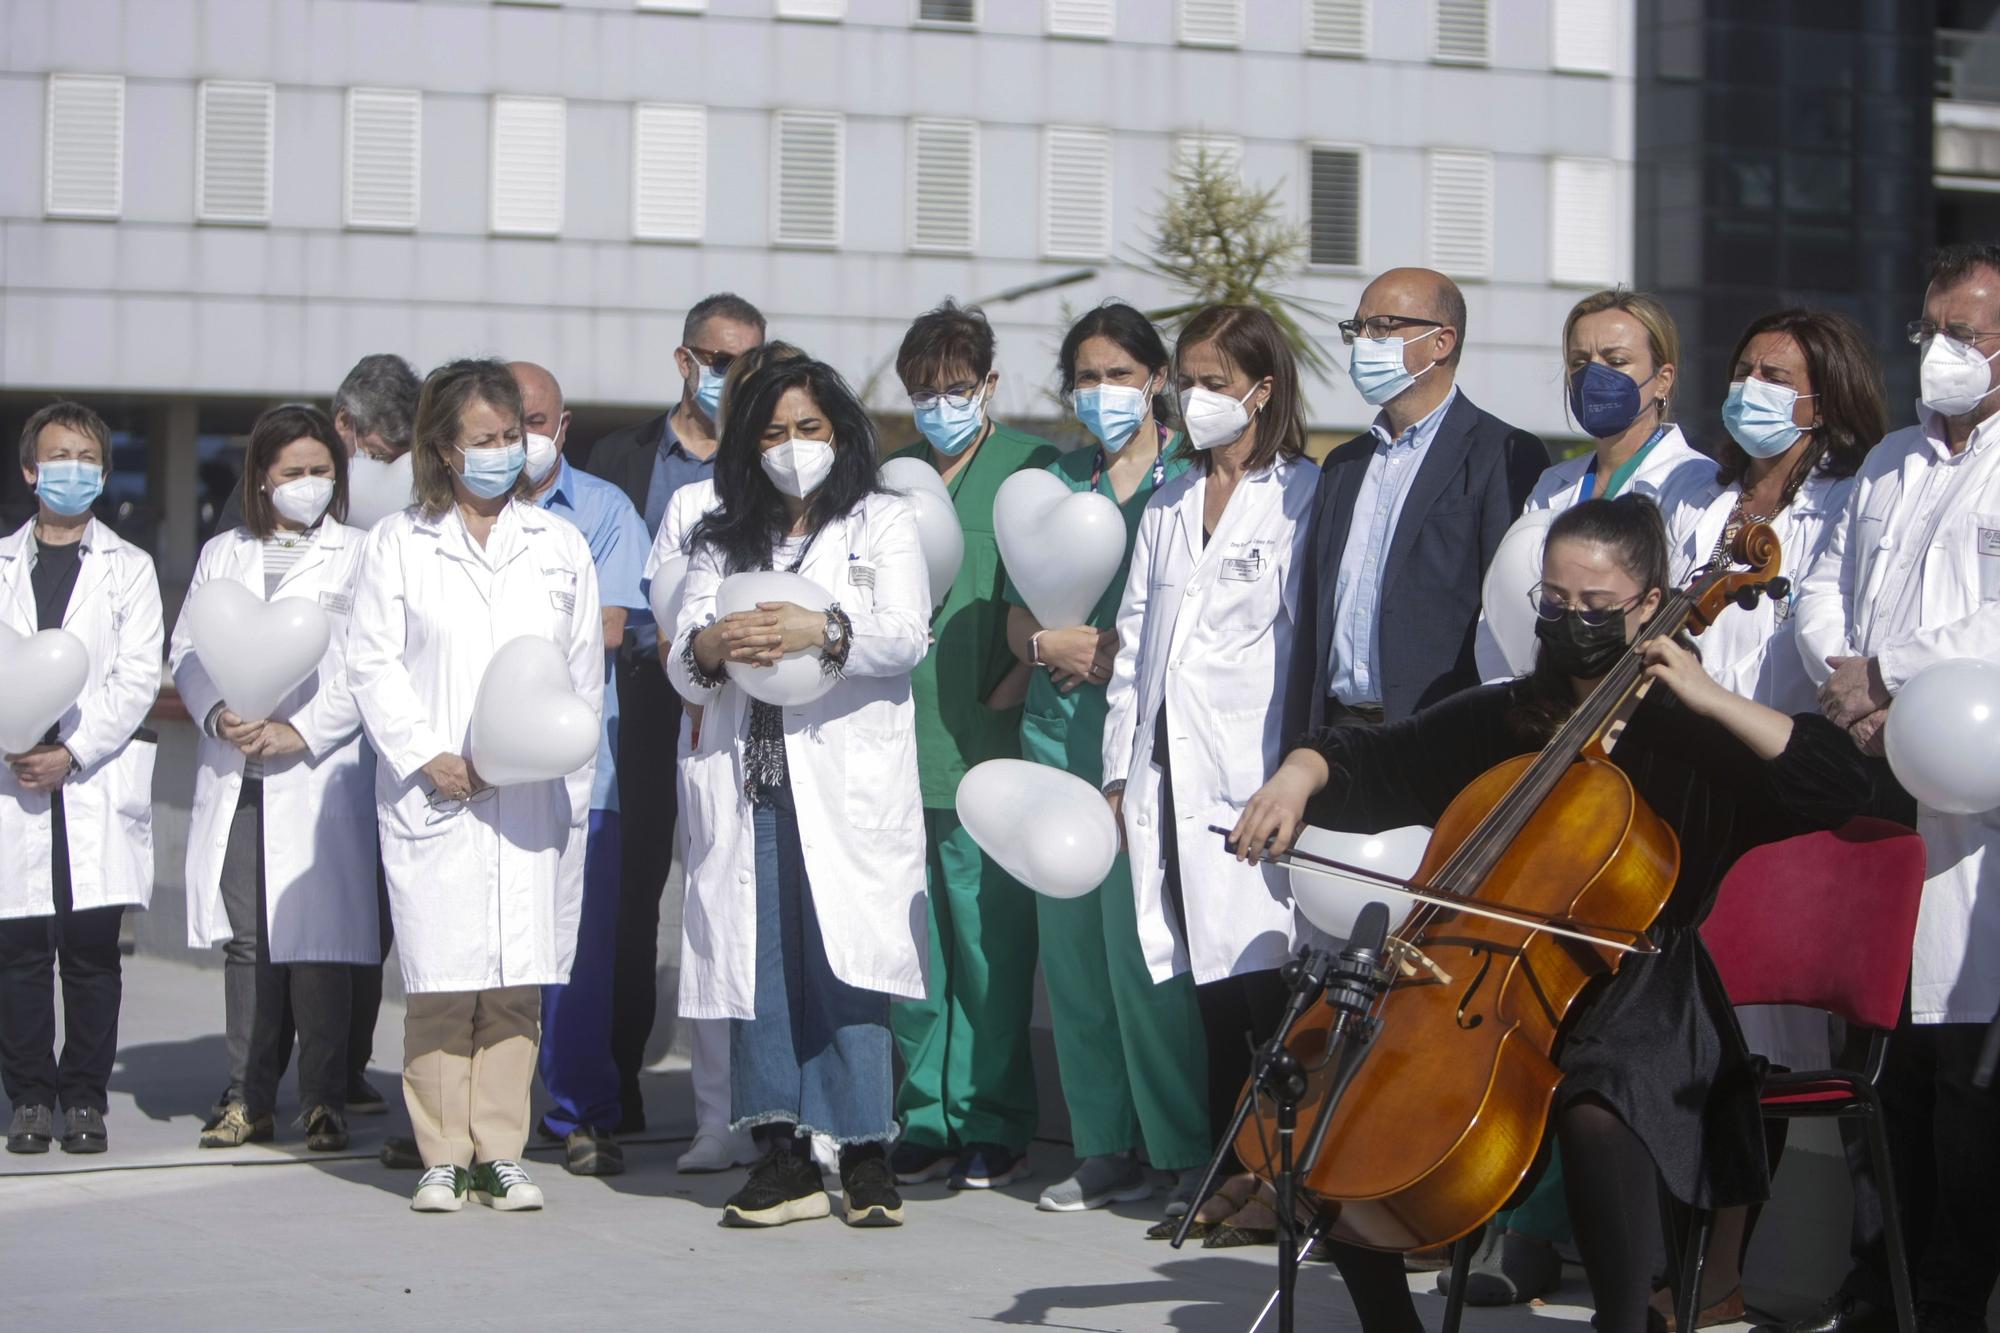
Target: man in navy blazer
column 1406, row 518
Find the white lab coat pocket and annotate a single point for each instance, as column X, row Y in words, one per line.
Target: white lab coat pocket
column 131, row 782
column 876, row 756
column 1983, row 534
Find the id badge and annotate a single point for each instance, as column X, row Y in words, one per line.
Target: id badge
column 1245, row 568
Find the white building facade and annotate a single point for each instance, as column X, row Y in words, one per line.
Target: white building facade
column 236, row 199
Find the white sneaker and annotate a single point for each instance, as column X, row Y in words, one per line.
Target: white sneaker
column 441, row 1189
column 715, row 1150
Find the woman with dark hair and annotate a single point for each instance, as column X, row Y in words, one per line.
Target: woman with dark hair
column 1195, row 704
column 1129, row 1052
column 281, row 855
column 1657, row 1088
column 485, row 916
column 805, row 837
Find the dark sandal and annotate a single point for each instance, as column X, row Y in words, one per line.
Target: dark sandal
column 1167, row 1229
column 1229, row 1236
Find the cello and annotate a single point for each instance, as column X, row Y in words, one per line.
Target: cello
column 1442, row 1122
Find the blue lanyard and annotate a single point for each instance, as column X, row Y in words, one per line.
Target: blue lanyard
column 1625, row 469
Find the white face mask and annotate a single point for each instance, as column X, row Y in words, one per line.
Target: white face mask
column 1954, row 378
column 541, row 456
column 303, row 499
column 798, row 467
column 1214, row 419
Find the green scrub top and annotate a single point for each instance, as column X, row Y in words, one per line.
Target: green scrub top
column 1067, row 730
column 969, row 656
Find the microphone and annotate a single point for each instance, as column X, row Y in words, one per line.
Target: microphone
column 1357, row 974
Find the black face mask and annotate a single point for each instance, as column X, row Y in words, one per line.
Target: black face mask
column 1579, row 650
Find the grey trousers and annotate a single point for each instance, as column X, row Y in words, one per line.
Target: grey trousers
column 239, row 954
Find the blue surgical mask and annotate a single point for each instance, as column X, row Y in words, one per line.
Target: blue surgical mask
column 1111, row 412
column 1758, row 414
column 490, row 473
column 1376, row 367
column 708, row 393
column 952, row 424
column 1605, row 401
column 69, row 486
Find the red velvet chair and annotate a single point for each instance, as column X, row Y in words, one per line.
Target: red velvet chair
column 1824, row 920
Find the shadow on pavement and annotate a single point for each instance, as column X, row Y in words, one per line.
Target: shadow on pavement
column 174, row 1078
column 1209, row 1295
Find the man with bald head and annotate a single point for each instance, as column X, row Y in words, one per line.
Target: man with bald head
column 1407, row 517
column 577, row 1067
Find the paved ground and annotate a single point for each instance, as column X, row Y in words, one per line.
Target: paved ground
column 161, row 1235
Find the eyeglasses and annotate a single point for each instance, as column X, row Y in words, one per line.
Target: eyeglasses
column 718, row 362
column 1380, row 326
column 450, row 807
column 1921, row 331
column 1550, row 607
column 956, row 399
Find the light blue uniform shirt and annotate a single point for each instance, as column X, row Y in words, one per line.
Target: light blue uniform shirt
column 1353, row 675
column 618, row 545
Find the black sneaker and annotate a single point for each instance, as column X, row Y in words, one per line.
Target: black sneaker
column 868, row 1193
column 326, row 1130
column 915, row 1163
column 363, row 1098
column 588, row 1151
column 986, row 1166
column 83, row 1130
column 783, row 1187
column 400, row 1154
column 32, row 1129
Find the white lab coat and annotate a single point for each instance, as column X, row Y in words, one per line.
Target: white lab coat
column 1755, row 653
column 108, row 807
column 478, row 898
column 319, row 805
column 684, row 509
column 1955, row 969
column 1206, row 633
column 852, row 757
column 1679, row 478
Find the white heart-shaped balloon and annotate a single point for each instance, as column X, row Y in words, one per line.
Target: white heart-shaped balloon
column 255, row 651
column 1049, row 829
column 1061, row 547
column 939, row 535
column 1332, row 904
column 528, row 723
column 665, row 592
column 41, row 675
column 797, row 678
column 1943, row 736
column 1516, row 569
column 377, row 490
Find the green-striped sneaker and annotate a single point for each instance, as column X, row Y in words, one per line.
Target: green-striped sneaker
column 504, row 1187
column 441, row 1190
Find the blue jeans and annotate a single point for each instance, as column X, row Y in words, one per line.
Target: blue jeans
column 817, row 1054
column 575, row 1059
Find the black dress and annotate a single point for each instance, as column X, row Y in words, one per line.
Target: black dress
column 1658, row 1042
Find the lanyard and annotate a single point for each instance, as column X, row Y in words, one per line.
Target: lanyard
column 1159, row 464
column 1625, row 469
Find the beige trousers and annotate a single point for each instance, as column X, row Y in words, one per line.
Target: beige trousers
column 469, row 1070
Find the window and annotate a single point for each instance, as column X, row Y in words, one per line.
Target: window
column 825, row 10
column 1461, row 34
column 1076, row 193
column 1584, row 36
column 944, row 186
column 956, row 13
column 669, row 172
column 807, row 150
column 1210, row 23
column 1333, row 207
column 1461, row 213
column 1081, row 18
column 1337, row 27
column 1583, row 209
column 529, row 136
column 384, row 157
column 1224, row 150
column 83, row 146
column 233, row 152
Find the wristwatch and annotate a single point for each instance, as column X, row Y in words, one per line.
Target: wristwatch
column 836, row 634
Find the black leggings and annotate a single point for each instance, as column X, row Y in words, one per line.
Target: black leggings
column 1610, row 1184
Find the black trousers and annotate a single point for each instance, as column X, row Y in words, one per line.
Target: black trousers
column 86, row 943
column 1944, row 1144
column 365, row 989
column 312, row 1000
column 649, row 724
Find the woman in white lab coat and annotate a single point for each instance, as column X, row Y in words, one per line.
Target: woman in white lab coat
column 281, row 853
column 1195, row 704
column 805, row 910
column 483, row 918
column 1803, row 409
column 76, row 810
